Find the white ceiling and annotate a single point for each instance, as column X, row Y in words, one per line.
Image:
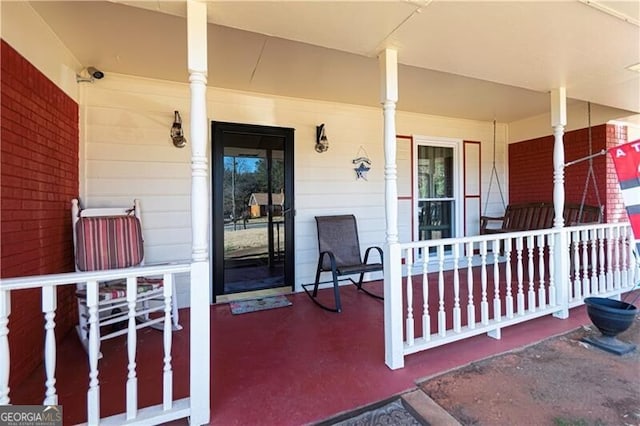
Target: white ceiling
column 472, row 59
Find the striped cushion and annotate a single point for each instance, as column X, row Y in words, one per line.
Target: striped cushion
column 108, row 243
column 117, row 289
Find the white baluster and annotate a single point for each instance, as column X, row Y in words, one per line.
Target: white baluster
column 610, row 260
column 426, row 317
column 442, row 317
column 633, row 260
column 542, row 294
column 471, row 309
column 520, row 271
column 409, row 320
column 507, row 273
column 633, row 277
column 633, row 264
column 5, row 311
column 624, row 275
column 593, row 236
column 497, row 305
column 484, row 303
column 132, row 380
column 602, row 278
column 530, row 275
column 167, row 379
column 93, row 395
column 457, row 320
column 616, row 245
column 577, row 283
column 552, row 270
column 49, row 305
column 584, row 237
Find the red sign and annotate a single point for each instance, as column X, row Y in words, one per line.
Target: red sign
column 627, row 161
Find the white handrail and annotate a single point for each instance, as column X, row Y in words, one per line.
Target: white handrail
column 37, row 281
column 168, row 409
column 551, row 276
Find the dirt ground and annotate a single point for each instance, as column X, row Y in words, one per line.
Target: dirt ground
column 561, row 381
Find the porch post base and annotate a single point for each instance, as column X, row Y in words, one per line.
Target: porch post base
column 563, row 314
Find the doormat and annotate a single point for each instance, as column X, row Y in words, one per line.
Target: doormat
column 395, row 412
column 254, row 305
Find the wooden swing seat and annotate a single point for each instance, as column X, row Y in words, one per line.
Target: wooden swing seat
column 539, row 215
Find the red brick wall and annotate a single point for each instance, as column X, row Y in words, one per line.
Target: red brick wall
column 615, row 211
column 531, row 169
column 38, row 178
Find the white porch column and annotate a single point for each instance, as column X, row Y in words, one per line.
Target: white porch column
column 388, row 62
column 561, row 253
column 558, row 122
column 200, row 356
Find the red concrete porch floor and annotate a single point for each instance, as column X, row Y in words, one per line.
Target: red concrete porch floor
column 288, row 366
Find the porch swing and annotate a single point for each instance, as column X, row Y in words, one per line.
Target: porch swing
column 587, row 214
column 494, row 174
column 540, row 215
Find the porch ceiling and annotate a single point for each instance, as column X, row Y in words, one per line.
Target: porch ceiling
column 476, row 60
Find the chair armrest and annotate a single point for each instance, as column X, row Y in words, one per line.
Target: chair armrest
column 484, row 221
column 487, row 218
column 332, row 261
column 366, row 254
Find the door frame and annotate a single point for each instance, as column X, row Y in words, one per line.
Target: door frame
column 218, row 131
column 456, row 145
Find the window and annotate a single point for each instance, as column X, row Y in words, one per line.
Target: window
column 436, row 178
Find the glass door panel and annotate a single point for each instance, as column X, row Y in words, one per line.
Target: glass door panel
column 436, row 202
column 254, row 232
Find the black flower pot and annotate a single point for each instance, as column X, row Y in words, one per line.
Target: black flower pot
column 611, row 317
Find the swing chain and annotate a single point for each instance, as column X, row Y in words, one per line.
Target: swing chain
column 494, row 172
column 590, row 174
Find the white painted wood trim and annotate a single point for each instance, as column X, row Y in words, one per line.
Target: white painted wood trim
column 93, row 395
column 49, row 305
column 5, row 311
column 132, row 380
column 200, row 290
column 458, row 182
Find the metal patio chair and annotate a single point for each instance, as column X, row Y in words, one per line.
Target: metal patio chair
column 339, row 249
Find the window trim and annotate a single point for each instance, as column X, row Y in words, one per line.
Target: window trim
column 458, row 200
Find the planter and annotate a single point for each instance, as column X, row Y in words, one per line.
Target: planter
column 611, row 317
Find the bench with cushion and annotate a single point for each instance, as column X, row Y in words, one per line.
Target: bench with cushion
column 539, row 215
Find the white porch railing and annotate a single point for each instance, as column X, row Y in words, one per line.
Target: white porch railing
column 170, row 409
column 467, row 286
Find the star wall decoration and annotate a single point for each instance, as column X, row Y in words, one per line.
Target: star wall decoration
column 362, row 158
column 361, row 171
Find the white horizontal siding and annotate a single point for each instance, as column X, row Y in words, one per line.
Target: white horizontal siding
column 127, row 154
column 405, row 228
column 404, row 161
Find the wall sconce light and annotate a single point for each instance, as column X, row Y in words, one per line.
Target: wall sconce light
column 322, row 143
column 89, row 74
column 177, row 134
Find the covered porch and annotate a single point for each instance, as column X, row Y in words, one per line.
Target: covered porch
column 109, row 143
column 301, row 364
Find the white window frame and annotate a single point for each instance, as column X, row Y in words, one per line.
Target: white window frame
column 458, row 201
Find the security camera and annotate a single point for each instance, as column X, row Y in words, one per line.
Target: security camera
column 89, row 74
column 95, row 73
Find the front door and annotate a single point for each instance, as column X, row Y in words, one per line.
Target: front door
column 252, row 207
